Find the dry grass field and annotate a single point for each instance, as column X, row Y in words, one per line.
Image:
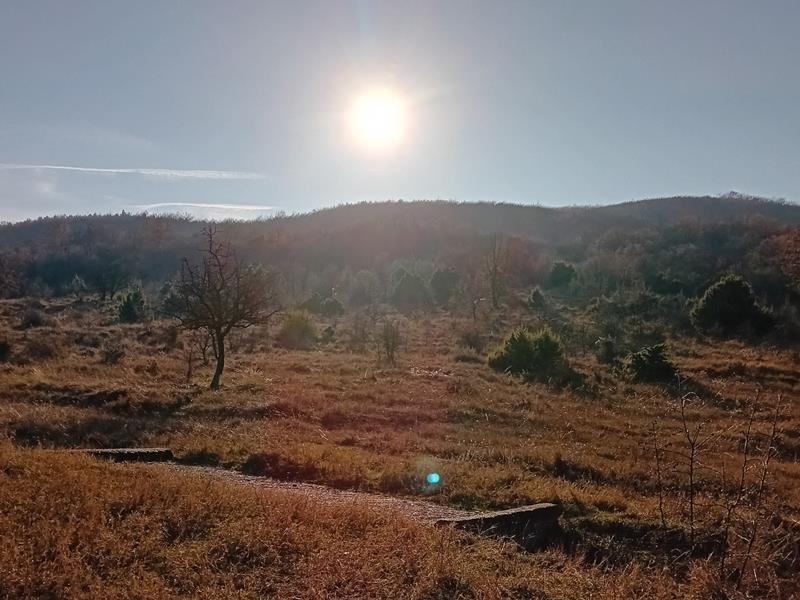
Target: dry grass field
column 72, row 527
column 640, row 519
column 402, row 300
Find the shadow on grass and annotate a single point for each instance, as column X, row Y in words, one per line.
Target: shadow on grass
column 217, row 413
column 690, row 386
column 93, row 432
column 616, row 544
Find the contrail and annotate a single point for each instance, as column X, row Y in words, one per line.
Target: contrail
column 166, row 173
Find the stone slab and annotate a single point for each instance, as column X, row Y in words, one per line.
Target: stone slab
column 132, row 454
column 532, row 526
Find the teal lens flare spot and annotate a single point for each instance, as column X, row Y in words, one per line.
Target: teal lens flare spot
column 432, row 478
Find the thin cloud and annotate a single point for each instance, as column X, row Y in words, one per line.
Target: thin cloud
column 165, row 173
column 202, row 205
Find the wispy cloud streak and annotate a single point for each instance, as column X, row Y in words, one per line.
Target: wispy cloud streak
column 202, row 205
column 164, row 173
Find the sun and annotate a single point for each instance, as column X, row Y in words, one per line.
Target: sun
column 378, row 119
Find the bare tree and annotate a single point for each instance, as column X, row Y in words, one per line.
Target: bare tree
column 472, row 288
column 495, row 268
column 222, row 293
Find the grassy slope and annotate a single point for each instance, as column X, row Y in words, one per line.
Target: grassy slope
column 73, row 527
column 337, row 418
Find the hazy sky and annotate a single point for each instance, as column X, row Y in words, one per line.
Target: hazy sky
column 173, row 104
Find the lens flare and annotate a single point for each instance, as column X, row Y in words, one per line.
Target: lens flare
column 433, row 478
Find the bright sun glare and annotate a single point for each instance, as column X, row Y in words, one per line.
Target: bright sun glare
column 378, row 119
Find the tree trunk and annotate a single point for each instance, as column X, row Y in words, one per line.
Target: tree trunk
column 220, row 360
column 204, row 344
column 189, row 368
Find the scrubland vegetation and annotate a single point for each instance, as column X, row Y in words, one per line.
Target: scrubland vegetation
column 640, row 369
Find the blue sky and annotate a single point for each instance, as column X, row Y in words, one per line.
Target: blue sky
column 238, row 106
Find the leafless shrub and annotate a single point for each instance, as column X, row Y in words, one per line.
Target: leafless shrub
column 754, row 524
column 297, row 331
column 42, row 348
column 732, row 505
column 658, row 453
column 32, row 318
column 697, row 441
column 390, row 339
column 358, row 335
column 168, row 336
column 87, row 339
column 472, row 339
column 112, row 352
column 195, row 345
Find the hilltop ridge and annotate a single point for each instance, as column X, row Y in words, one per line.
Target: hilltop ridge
column 539, row 223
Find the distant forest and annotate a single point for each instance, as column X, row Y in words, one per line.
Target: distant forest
column 426, row 254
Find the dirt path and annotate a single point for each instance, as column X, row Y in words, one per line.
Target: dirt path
column 419, row 510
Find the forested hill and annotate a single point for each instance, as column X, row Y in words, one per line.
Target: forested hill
column 539, row 223
column 558, row 225
column 683, row 241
